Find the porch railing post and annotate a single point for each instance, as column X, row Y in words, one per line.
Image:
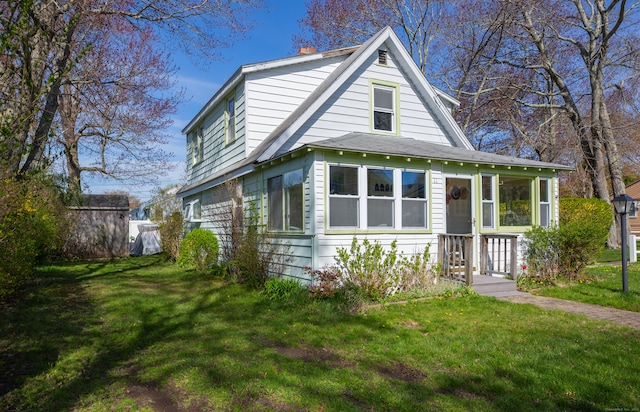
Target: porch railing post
column 484, row 254
column 441, row 255
column 514, row 257
column 468, row 260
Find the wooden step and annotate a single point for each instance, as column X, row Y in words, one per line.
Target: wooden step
column 493, row 286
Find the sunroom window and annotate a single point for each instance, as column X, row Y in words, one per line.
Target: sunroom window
column 545, row 204
column 487, row 202
column 515, row 201
column 285, row 201
column 414, row 200
column 343, row 197
column 379, row 198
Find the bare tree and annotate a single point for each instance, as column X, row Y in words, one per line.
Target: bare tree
column 114, row 107
column 337, row 23
column 43, row 41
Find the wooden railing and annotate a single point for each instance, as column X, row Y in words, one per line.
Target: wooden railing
column 499, row 255
column 455, row 256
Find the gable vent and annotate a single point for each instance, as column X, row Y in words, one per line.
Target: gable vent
column 382, row 57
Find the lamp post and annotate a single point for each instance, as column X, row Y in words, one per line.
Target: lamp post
column 623, row 203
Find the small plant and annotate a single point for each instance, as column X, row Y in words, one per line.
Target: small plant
column 282, row 289
column 326, row 282
column 199, row 249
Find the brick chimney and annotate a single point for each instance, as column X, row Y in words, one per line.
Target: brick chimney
column 306, row 50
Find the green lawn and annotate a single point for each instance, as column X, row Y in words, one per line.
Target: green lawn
column 140, row 334
column 601, row 285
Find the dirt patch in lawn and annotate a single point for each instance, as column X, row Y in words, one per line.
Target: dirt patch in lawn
column 159, row 398
column 402, row 372
column 315, row 355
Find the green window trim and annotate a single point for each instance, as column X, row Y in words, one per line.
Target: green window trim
column 197, row 146
column 371, row 198
column 384, row 107
column 285, row 201
column 230, row 120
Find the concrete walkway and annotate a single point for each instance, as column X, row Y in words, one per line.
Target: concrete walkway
column 623, row 317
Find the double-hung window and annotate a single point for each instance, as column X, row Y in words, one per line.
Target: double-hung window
column 487, row 202
column 380, row 198
column 344, row 203
column 414, row 200
column 230, row 125
column 384, row 113
column 285, row 201
column 545, row 203
column 197, row 145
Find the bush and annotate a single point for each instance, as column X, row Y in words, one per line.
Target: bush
column 378, row 273
column 199, row 249
column 596, row 212
column 326, row 282
column 568, row 248
column 542, row 252
column 32, row 222
column 255, row 254
column 171, row 235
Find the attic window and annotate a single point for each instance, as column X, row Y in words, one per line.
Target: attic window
column 382, row 57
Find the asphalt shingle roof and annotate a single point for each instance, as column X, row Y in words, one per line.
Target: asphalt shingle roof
column 400, row 146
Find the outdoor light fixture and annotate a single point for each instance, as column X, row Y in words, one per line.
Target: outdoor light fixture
column 623, row 204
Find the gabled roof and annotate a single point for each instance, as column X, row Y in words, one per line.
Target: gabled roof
column 242, row 71
column 405, row 147
column 269, row 147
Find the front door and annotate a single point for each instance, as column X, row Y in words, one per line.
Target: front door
column 458, row 206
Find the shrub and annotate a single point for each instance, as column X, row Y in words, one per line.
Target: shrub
column 378, row 273
column 568, row 248
column 542, row 252
column 326, row 281
column 584, row 228
column 596, row 212
column 255, row 254
column 199, row 249
column 171, row 235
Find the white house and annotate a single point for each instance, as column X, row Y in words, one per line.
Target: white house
column 355, row 141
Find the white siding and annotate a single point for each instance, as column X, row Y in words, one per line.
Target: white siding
column 348, row 110
column 217, row 154
column 272, row 95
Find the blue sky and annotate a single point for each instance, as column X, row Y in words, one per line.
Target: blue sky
column 271, row 38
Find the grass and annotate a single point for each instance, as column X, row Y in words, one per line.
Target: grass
column 140, row 334
column 601, row 285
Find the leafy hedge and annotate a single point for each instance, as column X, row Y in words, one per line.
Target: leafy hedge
column 568, row 248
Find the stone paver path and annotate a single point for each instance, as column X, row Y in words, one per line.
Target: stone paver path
column 623, row 317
